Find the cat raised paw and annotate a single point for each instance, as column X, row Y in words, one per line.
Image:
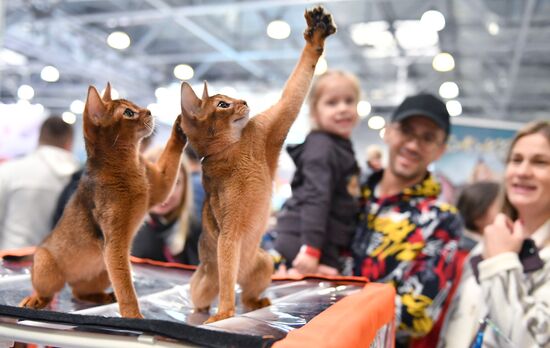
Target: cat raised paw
column 319, row 26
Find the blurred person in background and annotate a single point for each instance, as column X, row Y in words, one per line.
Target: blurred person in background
column 374, row 159
column 195, row 170
column 505, row 300
column 478, row 205
column 406, row 237
column 166, row 233
column 30, row 186
column 315, row 225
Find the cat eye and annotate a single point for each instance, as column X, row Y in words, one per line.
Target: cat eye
column 129, row 113
column 223, row 105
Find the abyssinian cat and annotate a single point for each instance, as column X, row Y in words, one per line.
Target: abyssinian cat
column 90, row 247
column 239, row 161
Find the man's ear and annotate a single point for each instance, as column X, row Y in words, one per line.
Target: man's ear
column 190, row 104
column 94, row 110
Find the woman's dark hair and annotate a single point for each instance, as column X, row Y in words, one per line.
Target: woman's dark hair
column 535, row 127
column 474, row 201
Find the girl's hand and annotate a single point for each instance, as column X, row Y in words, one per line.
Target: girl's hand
column 502, row 236
column 305, row 264
column 327, row 270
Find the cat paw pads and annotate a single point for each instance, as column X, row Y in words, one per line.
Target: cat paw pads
column 220, row 316
column 257, row 304
column 34, row 302
column 320, row 21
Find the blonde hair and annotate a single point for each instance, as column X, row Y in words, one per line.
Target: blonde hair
column 183, row 210
column 535, row 127
column 321, row 81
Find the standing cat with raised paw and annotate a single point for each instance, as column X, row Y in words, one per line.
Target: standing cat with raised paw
column 239, row 161
column 90, row 247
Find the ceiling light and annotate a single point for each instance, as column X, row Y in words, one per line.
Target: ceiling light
column 119, row 40
column 321, row 66
column 68, row 117
column 493, row 28
column 278, row 30
column 363, row 108
column 433, row 20
column 49, row 73
column 161, row 93
column 382, row 133
column 448, row 90
column 25, row 92
column 183, row 72
column 414, row 35
column 374, row 33
column 454, row 107
column 443, row 62
column 376, row 122
column 77, row 106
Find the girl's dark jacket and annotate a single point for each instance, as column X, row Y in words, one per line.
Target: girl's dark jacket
column 322, row 211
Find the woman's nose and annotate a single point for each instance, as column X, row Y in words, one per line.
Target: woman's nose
column 524, row 168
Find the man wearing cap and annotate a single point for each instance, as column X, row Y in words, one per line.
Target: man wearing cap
column 405, row 236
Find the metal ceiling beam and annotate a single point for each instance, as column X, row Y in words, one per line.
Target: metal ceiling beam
column 146, row 16
column 519, row 50
column 209, row 39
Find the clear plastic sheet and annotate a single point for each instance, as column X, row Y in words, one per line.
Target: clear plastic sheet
column 164, row 294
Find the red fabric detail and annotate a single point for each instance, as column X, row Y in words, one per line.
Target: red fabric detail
column 430, row 340
column 311, row 251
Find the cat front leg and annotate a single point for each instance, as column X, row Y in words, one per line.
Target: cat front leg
column 162, row 175
column 280, row 117
column 117, row 261
column 228, row 262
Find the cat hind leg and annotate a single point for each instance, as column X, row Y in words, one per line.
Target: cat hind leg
column 47, row 280
column 256, row 281
column 93, row 290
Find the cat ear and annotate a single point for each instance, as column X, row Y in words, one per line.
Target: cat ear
column 94, row 109
column 107, row 93
column 189, row 101
column 205, row 91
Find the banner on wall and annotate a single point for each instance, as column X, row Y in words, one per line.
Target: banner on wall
column 476, row 151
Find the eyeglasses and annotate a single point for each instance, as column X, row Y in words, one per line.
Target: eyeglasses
column 425, row 140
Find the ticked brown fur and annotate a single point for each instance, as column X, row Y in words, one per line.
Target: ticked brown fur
column 240, row 158
column 90, row 247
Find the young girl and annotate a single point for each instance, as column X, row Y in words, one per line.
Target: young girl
column 166, row 234
column 316, row 223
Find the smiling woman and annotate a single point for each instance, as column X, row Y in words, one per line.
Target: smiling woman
column 515, row 255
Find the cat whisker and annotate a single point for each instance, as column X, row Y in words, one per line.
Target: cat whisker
column 114, row 143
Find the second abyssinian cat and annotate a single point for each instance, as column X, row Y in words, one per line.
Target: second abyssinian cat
column 90, row 247
column 239, row 160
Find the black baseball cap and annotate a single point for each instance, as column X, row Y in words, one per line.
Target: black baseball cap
column 426, row 105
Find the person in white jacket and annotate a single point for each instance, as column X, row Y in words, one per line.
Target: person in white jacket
column 30, row 186
column 504, row 296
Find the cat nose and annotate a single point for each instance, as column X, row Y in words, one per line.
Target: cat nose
column 245, row 104
column 148, row 113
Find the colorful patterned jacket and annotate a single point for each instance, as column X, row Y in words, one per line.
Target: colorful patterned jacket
column 409, row 240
